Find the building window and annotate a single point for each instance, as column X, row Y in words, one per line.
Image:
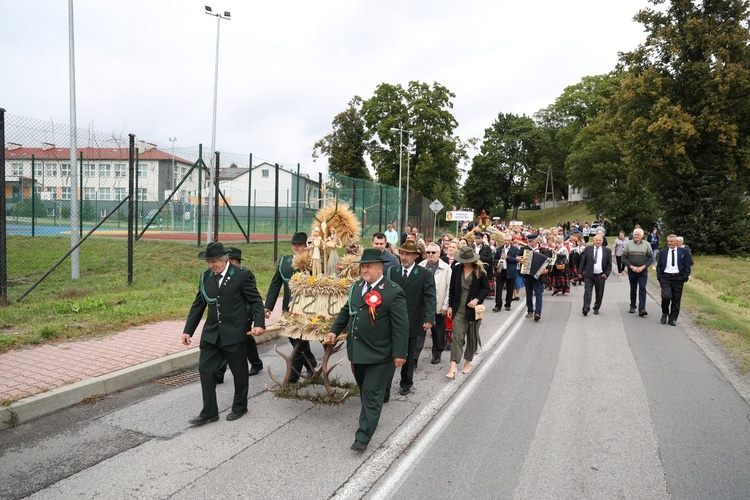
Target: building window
column 17, row 169
column 142, row 170
column 89, row 170
column 142, row 194
column 89, row 193
column 119, row 194
column 105, row 194
column 38, row 191
column 51, row 169
column 64, row 193
column 65, row 169
column 264, row 173
column 105, row 170
column 121, row 170
column 53, row 192
column 184, row 196
column 38, row 170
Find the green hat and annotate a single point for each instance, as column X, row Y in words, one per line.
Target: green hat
column 371, row 255
column 300, row 237
column 466, row 255
column 235, row 253
column 213, row 250
column 409, row 247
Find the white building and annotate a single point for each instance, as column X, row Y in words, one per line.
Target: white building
column 235, row 185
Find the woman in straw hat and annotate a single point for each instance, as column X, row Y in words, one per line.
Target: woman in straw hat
column 468, row 289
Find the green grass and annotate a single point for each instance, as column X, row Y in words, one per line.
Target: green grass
column 551, row 216
column 165, row 278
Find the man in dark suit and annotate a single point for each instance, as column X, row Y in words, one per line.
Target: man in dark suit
column 421, row 303
column 672, row 271
column 485, row 253
column 256, row 365
column 224, row 289
column 281, row 277
column 508, row 267
column 378, row 334
column 596, row 266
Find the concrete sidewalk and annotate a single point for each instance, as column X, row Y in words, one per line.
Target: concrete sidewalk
column 45, row 378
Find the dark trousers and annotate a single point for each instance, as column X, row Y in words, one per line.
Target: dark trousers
column 509, row 283
column 597, row 283
column 438, row 338
column 534, row 287
column 671, row 295
column 620, row 265
column 372, row 381
column 303, row 357
column 253, row 357
column 638, row 283
column 407, row 369
column 211, row 357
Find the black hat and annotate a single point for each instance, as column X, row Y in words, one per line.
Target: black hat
column 235, row 253
column 466, row 255
column 532, row 237
column 371, row 255
column 478, row 235
column 213, row 250
column 300, row 237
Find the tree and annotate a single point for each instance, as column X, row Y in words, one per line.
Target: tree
column 345, row 146
column 433, row 151
column 23, row 208
column 509, row 156
column 683, row 113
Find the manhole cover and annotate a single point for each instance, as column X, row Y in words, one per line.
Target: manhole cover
column 181, row 378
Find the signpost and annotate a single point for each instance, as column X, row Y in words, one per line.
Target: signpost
column 436, row 207
column 459, row 216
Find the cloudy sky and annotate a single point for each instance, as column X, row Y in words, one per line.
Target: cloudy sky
column 286, row 68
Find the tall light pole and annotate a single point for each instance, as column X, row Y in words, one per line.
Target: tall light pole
column 75, row 270
column 408, row 143
column 400, row 131
column 174, row 178
column 219, row 16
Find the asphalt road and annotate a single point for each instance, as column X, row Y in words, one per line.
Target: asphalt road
column 570, row 407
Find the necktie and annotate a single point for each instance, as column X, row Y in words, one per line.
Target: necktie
column 673, row 252
column 218, row 278
column 367, row 288
column 406, row 273
column 596, row 254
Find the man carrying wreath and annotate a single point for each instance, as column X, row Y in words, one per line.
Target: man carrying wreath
column 378, row 336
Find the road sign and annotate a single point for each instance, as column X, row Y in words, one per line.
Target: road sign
column 459, row 216
column 436, row 206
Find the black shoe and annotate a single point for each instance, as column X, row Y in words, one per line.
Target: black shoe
column 255, row 370
column 663, row 319
column 404, row 391
column 596, row 311
column 387, row 397
column 516, row 298
column 555, row 293
column 234, row 415
column 642, row 312
column 585, row 312
column 507, row 308
column 198, row 421
column 631, row 310
column 671, row 322
column 537, row 317
column 496, row 309
column 359, row 446
column 435, row 359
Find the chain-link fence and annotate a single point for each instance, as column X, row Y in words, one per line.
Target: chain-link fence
column 174, row 196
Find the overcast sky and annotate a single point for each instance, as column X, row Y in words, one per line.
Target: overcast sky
column 286, row 68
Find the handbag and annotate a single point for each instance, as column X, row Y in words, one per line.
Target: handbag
column 479, row 311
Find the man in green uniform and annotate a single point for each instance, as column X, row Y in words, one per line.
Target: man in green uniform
column 378, row 334
column 419, row 286
column 281, row 277
column 225, row 289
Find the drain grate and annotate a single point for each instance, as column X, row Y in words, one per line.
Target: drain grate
column 179, row 379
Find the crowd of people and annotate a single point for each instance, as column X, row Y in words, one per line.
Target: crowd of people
column 411, row 287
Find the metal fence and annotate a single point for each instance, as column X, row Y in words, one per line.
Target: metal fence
column 254, row 199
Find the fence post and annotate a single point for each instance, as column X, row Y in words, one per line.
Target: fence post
column 249, row 193
column 33, row 205
column 380, row 204
column 80, row 196
column 276, row 213
column 131, row 204
column 216, row 198
column 3, row 254
column 199, row 202
column 296, row 204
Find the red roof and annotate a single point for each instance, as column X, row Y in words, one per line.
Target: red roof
column 62, row 154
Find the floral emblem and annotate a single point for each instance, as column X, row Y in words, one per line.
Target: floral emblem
column 373, row 300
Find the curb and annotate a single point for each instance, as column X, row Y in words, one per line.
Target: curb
column 44, row 403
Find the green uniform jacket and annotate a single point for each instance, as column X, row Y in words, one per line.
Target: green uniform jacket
column 227, row 307
column 387, row 338
column 421, row 300
column 281, row 277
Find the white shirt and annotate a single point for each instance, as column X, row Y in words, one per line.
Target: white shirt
column 223, row 273
column 372, row 287
column 668, row 267
column 598, row 251
column 408, row 271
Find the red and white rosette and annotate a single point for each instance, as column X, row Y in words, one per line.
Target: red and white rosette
column 373, row 300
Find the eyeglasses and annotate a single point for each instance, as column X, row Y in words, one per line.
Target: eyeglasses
column 428, row 252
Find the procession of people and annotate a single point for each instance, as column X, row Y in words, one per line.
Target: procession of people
column 405, row 293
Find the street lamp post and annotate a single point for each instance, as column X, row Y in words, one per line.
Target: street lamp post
column 219, row 16
column 400, row 131
column 408, row 143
